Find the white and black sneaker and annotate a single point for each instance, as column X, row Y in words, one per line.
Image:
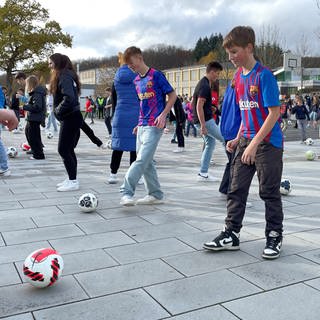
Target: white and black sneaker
column 273, row 245
column 227, row 240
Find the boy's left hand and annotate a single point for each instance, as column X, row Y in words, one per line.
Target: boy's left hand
column 160, row 121
column 249, row 154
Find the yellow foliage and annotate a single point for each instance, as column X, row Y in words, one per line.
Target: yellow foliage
column 211, row 56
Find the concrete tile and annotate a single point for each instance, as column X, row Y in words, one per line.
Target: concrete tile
column 10, row 224
column 1, row 241
column 200, row 291
column 160, row 231
column 25, row 316
column 49, row 202
column 9, row 275
column 313, row 255
column 24, row 298
column 30, row 212
column 127, row 277
column 195, row 263
column 293, row 302
column 37, row 234
column 132, row 305
column 75, row 217
column 91, row 242
column 148, row 250
column 162, row 218
column 314, row 283
column 311, row 236
column 210, row 313
column 10, row 205
column 20, row 252
column 112, row 225
column 281, row 272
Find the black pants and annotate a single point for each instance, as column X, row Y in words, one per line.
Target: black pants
column 32, row 131
column 90, row 115
column 225, row 182
column 107, row 121
column 89, row 132
column 68, row 139
column 116, row 159
column 100, row 113
column 268, row 164
column 179, row 133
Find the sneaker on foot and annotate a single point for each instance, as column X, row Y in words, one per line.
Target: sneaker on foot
column 113, row 179
column 62, row 183
column 5, row 173
column 180, row 149
column 127, row 201
column 141, row 181
column 204, row 177
column 70, row 185
column 149, row 199
column 273, row 245
column 227, row 240
column 103, row 146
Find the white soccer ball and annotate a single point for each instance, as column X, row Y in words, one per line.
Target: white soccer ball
column 43, row 267
column 310, row 155
column 285, row 187
column 309, row 142
column 12, row 152
column 49, row 135
column 109, row 144
column 88, row 202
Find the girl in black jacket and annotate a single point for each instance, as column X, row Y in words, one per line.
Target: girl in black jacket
column 36, row 108
column 65, row 87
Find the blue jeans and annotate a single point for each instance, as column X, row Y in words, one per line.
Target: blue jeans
column 147, row 142
column 3, row 157
column 209, row 143
column 52, row 119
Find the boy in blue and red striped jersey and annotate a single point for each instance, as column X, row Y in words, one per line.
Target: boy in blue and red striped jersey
column 258, row 145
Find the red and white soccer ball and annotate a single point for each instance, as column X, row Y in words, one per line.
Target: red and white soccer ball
column 43, row 267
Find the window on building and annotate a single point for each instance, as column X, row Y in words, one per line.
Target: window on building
column 194, row 75
column 185, row 75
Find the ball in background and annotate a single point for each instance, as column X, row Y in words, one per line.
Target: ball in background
column 285, row 187
column 310, row 155
column 88, row 202
column 49, row 135
column 309, row 142
column 12, row 152
column 43, row 267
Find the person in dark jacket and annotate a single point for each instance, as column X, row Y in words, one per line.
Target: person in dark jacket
column 180, row 118
column 65, row 88
column 125, row 119
column 302, row 116
column 36, row 108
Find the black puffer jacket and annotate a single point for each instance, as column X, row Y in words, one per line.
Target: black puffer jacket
column 66, row 100
column 36, row 106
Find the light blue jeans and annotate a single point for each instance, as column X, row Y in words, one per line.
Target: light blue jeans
column 52, row 120
column 3, row 157
column 209, row 143
column 147, row 142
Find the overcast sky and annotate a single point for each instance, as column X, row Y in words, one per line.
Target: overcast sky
column 102, row 28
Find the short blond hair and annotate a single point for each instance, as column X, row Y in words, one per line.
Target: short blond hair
column 31, row 83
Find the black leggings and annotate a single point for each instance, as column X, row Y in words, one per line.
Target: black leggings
column 89, row 132
column 68, row 139
column 32, row 131
column 179, row 133
column 116, row 159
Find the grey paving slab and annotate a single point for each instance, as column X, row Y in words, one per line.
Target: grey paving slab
column 25, row 316
column 148, row 250
column 195, row 263
column 49, row 202
column 24, row 298
column 22, row 196
column 1, row 241
column 30, row 212
column 91, row 242
column 37, row 234
column 132, row 305
column 314, row 283
column 10, row 205
column 160, row 231
column 210, row 313
column 10, row 224
column 200, row 291
column 8, row 274
column 293, row 302
column 282, row 272
column 126, row 277
column 313, row 255
column 75, row 217
column 162, row 218
column 312, row 236
column 20, row 252
column 291, row 245
column 112, row 225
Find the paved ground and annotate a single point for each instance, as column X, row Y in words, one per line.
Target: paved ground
column 147, row 262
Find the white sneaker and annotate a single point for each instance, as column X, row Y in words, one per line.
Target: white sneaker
column 179, row 150
column 5, row 173
column 249, row 205
column 113, row 179
column 127, row 201
column 149, row 200
column 62, row 183
column 70, row 185
column 206, row 178
column 141, row 181
column 103, row 146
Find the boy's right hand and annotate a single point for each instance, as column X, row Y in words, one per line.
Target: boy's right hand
column 232, row 144
column 135, row 130
column 9, row 119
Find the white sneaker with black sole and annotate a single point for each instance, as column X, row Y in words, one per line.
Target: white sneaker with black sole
column 273, row 245
column 226, row 240
column 202, row 177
